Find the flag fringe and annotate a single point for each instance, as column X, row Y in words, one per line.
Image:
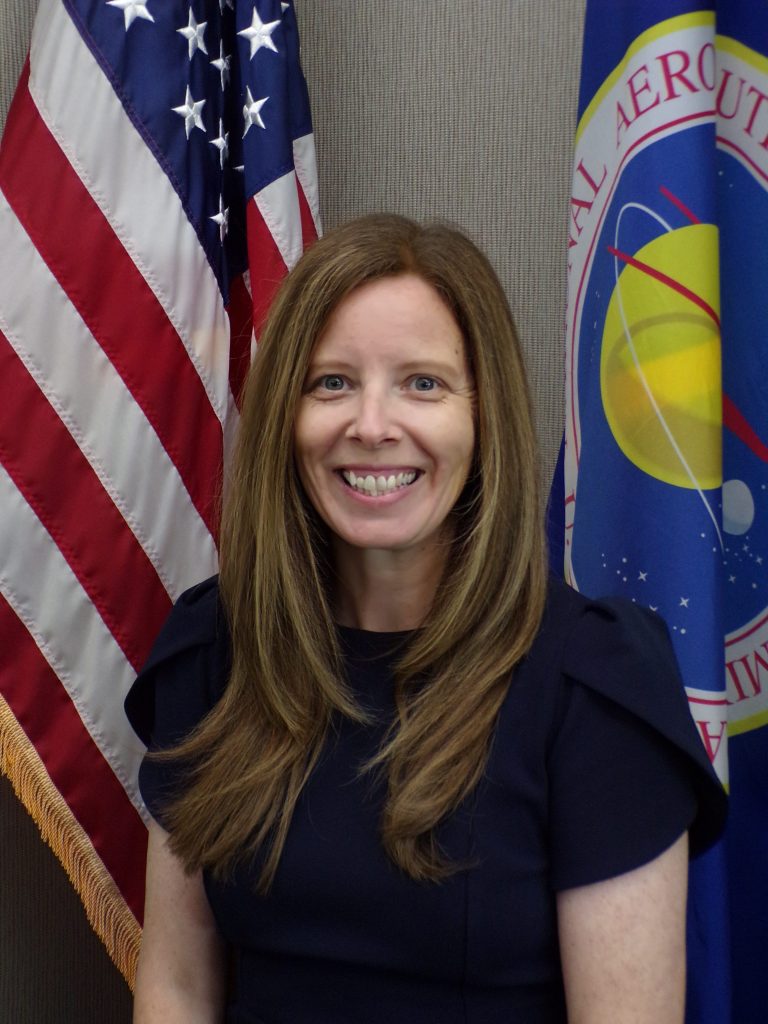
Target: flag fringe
column 105, row 908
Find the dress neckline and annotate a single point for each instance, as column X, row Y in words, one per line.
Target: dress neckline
column 369, row 643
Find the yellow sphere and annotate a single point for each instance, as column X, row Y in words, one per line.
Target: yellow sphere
column 660, row 362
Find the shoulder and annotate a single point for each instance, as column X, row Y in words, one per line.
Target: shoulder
column 623, row 652
column 615, row 648
column 577, row 621
column 188, row 665
column 617, row 710
column 196, row 618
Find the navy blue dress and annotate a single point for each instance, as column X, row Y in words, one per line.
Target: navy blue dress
column 595, row 769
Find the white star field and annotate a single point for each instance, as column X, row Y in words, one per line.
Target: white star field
column 259, row 37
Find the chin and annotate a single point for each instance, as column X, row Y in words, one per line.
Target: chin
column 365, row 540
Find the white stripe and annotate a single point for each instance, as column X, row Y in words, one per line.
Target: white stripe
column 46, row 595
column 278, row 204
column 80, row 108
column 98, row 410
column 305, row 162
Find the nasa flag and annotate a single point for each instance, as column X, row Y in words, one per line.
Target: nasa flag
column 665, row 485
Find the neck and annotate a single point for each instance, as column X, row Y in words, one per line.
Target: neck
column 385, row 591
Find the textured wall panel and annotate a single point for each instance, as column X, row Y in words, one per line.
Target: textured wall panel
column 15, row 26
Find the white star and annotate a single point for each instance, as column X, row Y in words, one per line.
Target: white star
column 222, row 219
column 222, row 143
column 684, row 602
column 191, row 112
column 759, row 559
column 222, row 64
column 731, row 579
column 642, row 576
column 132, row 9
column 193, row 32
column 251, row 111
column 653, row 607
column 259, row 34
column 285, row 7
column 226, row 3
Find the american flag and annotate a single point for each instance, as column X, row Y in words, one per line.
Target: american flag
column 157, row 178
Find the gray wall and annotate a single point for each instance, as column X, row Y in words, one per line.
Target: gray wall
column 435, row 108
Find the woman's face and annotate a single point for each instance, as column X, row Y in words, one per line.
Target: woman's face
column 384, row 433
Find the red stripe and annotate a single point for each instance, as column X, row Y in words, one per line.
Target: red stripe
column 738, row 425
column 308, row 230
column 679, row 204
column 57, row 481
column 266, row 265
column 670, row 282
column 75, row 764
column 112, row 297
column 240, row 313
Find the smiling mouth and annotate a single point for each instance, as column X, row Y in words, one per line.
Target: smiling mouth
column 375, row 486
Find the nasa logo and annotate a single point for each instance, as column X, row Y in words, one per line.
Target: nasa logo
column 674, row 143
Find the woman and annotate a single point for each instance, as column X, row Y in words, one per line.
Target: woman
column 410, row 780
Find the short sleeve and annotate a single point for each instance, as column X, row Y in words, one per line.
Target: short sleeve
column 181, row 681
column 628, row 772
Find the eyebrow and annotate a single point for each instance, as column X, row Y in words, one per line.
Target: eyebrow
column 432, row 364
column 411, row 366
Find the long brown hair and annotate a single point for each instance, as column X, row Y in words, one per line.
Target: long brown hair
column 255, row 750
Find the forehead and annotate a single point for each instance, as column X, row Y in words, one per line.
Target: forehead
column 391, row 312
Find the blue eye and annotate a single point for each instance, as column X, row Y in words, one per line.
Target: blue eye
column 424, row 383
column 332, row 382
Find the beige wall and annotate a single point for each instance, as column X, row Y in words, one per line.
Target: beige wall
column 434, row 108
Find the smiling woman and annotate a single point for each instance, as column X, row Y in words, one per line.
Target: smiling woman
column 396, row 774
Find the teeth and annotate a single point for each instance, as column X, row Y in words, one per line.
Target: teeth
column 378, row 485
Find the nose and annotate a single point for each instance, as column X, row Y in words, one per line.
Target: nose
column 373, row 423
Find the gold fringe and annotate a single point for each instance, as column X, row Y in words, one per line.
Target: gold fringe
column 107, row 911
